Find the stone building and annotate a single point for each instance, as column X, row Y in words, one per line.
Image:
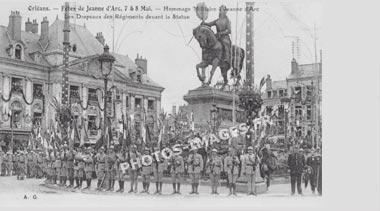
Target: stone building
column 294, row 103
column 31, row 76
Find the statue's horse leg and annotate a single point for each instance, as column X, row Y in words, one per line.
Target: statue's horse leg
column 215, row 63
column 224, row 70
column 202, row 76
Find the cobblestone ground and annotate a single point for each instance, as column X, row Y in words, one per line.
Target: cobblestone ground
column 33, row 193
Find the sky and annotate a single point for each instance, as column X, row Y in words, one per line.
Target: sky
column 166, row 43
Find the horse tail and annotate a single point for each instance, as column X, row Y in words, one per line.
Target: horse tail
column 242, row 56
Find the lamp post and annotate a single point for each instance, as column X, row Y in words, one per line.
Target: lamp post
column 106, row 60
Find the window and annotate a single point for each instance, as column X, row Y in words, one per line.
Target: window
column 37, row 91
column 281, row 111
column 118, row 96
column 74, row 92
column 298, row 111
column 274, row 94
column 269, row 93
column 17, row 85
column 37, row 118
column 92, row 95
column 298, row 91
column 92, row 123
column 308, row 112
column 138, row 103
column 109, row 96
column 127, row 101
column 151, row 105
column 18, row 51
column 139, row 78
column 308, row 91
column 285, row 93
column 281, row 93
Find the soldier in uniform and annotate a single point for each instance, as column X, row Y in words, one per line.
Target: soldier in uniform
column 158, row 171
column 14, row 163
column 22, row 164
column 1, row 162
column 70, row 155
column 296, row 163
column 30, row 167
column 121, row 176
column 100, row 167
column 40, row 165
column 249, row 170
column 231, row 167
column 146, row 172
column 88, row 167
column 177, row 169
column 214, row 167
column 195, row 165
column 58, row 168
column 135, row 162
column 110, row 168
column 64, row 160
column 8, row 163
column 79, row 168
column 314, row 161
column 267, row 164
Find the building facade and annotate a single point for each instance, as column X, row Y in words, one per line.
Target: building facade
column 31, row 67
column 295, row 103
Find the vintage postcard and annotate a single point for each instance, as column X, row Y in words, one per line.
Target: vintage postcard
column 207, row 104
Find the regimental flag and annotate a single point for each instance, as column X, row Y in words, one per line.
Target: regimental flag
column 263, row 81
column 143, row 128
column 192, row 123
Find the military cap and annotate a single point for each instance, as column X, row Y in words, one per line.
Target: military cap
column 214, row 150
column 250, row 148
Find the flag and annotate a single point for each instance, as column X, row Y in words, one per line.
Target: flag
column 192, row 123
column 143, row 128
column 263, row 81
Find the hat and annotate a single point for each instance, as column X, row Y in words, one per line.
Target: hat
column 146, row 149
column 65, row 146
column 111, row 147
column 214, row 150
column 250, row 148
column 301, row 150
column 9, row 153
column 312, row 150
column 101, row 148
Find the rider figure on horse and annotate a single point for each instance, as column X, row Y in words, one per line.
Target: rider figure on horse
column 223, row 29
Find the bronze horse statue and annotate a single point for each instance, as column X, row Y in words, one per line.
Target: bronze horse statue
column 213, row 54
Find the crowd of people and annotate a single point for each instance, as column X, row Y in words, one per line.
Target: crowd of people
column 70, row 167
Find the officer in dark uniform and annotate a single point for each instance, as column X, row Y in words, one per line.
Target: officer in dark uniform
column 314, row 161
column 79, row 168
column 296, row 163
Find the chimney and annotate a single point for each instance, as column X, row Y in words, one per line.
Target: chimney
column 100, row 38
column 28, row 26
column 14, row 26
column 142, row 63
column 268, row 83
column 294, row 67
column 34, row 27
column 44, row 38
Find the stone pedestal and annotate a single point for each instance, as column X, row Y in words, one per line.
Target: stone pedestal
column 201, row 100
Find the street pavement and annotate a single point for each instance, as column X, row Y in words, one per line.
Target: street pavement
column 34, row 193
